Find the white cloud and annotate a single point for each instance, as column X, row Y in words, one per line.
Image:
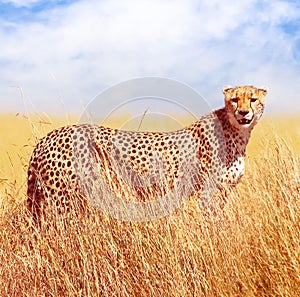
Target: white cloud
column 73, row 52
column 21, row 3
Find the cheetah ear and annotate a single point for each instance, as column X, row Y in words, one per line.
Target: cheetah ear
column 264, row 90
column 226, row 89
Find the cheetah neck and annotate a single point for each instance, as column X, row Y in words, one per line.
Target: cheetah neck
column 219, row 119
column 228, row 128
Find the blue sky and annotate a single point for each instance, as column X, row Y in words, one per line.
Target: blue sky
column 56, row 56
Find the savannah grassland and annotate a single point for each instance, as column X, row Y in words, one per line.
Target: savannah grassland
column 249, row 245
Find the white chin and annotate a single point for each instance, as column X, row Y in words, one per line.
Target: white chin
column 245, row 126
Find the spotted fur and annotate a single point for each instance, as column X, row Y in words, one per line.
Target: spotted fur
column 66, row 164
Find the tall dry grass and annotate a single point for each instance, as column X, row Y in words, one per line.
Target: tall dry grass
column 248, row 247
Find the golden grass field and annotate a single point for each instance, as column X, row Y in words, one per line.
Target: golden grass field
column 248, row 247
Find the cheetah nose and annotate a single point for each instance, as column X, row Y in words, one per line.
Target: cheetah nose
column 243, row 112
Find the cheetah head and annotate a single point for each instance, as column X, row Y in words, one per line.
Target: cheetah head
column 244, row 105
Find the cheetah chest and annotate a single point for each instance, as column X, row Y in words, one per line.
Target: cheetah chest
column 235, row 171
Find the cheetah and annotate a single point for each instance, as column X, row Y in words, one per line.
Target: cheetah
column 75, row 163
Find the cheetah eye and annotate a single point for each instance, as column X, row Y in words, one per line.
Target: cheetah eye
column 253, row 100
column 234, row 100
